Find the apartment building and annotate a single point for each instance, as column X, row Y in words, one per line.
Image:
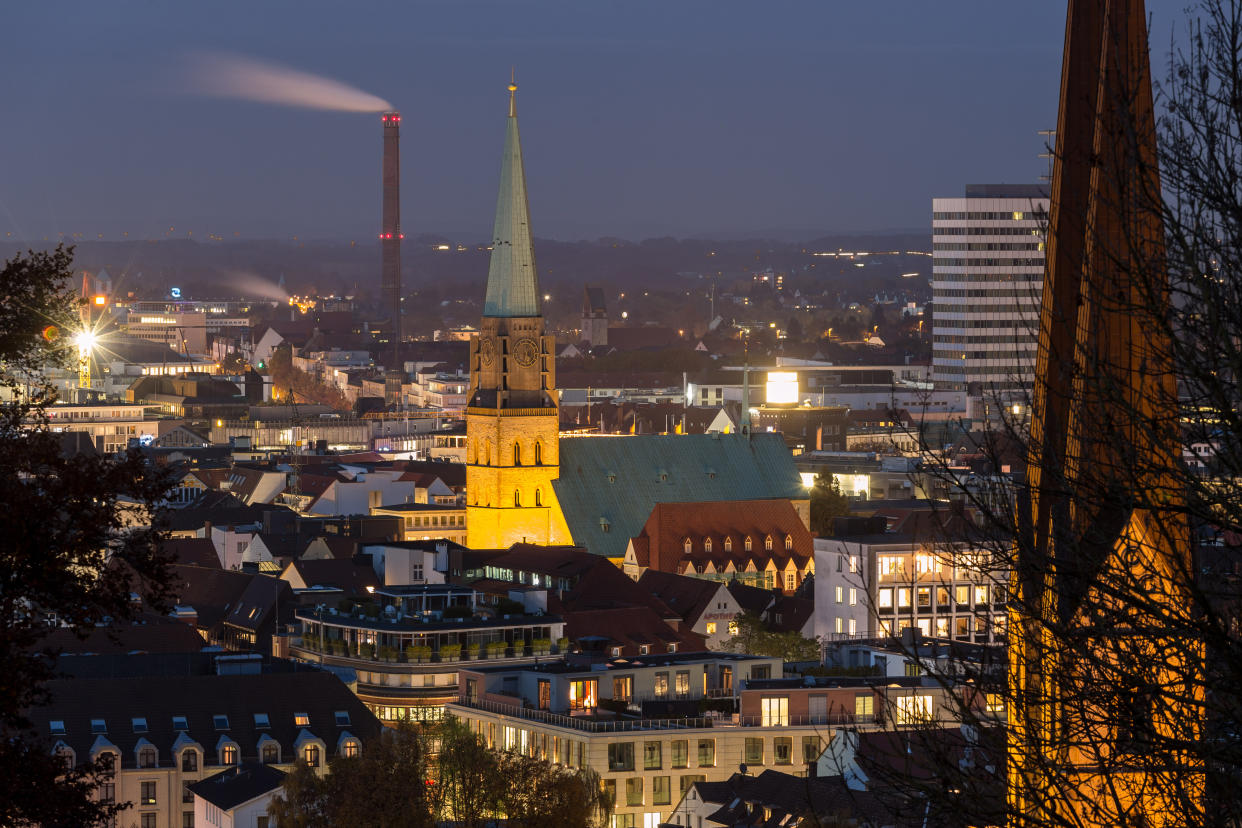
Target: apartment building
column 171, row 720
column 408, row 643
column 651, row 726
column 987, row 279
column 946, row 589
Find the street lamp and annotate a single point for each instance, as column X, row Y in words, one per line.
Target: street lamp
column 85, row 340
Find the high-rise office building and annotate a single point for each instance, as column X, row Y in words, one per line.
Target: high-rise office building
column 987, row 277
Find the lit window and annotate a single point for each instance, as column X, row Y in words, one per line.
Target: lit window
column 350, row 749
column 913, row 709
column 767, row 543
column 748, row 543
column 733, row 628
column 301, row 720
column 582, row 694
column 774, row 712
column 707, row 545
column 728, row 544
column 711, row 627
column 228, row 755
column 903, row 597
column 884, row 598
column 853, row 596
column 788, row 542
column 840, row 594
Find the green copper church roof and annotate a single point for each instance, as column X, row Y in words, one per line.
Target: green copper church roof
column 512, row 284
column 609, row 485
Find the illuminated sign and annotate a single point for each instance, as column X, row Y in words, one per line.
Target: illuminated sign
column 175, row 292
column 101, row 300
column 782, row 387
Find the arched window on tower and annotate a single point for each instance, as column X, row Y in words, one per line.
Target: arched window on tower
column 517, row 454
column 538, row 453
column 538, row 497
column 517, row 497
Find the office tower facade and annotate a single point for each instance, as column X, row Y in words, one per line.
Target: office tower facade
column 987, row 278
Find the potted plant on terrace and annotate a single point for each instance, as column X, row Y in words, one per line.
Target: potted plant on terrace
column 450, row 652
column 422, row 653
column 541, row 646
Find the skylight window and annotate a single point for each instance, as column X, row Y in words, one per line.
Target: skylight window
column 57, row 727
column 140, row 724
column 220, row 721
column 261, row 721
column 180, row 723
column 301, row 720
column 99, row 726
column 342, row 718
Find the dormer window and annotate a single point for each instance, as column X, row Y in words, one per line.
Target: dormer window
column 686, row 546
column 146, row 757
column 728, row 544
column 644, row 649
column 228, row 754
column 748, row 543
column 707, row 545
column 271, row 753
column 140, row 724
column 767, row 543
column 788, row 542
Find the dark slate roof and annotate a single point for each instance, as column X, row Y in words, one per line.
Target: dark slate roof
column 616, row 481
column 785, row 795
column 259, row 602
column 157, row 688
column 688, row 597
column 236, row 786
column 751, row 599
column 148, row 633
column 194, row 551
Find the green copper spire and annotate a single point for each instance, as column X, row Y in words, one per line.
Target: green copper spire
column 512, row 284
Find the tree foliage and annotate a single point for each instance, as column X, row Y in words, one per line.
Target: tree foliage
column 78, row 540
column 384, row 787
column 827, row 503
column 288, row 379
column 441, row 774
column 755, row 638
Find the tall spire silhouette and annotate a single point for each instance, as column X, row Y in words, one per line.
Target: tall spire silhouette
column 512, row 282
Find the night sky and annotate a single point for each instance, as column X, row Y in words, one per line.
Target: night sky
column 670, row 117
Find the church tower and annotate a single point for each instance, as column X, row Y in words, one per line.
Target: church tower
column 512, row 417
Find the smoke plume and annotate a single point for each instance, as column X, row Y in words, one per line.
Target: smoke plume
column 232, row 76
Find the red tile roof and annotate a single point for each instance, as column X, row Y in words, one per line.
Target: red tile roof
column 725, row 526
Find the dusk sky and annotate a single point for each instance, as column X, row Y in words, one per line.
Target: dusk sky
column 638, row 119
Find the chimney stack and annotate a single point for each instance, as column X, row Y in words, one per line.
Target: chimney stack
column 390, row 232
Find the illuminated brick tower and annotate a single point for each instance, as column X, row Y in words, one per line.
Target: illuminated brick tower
column 390, row 231
column 1103, row 688
column 512, row 418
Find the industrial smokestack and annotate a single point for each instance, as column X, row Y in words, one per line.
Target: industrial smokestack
column 390, row 233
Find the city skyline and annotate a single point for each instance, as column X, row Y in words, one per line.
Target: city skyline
column 693, row 120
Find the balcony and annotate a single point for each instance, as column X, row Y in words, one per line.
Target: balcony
column 337, row 652
column 623, row 724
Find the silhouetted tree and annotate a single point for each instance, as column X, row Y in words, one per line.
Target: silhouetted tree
column 77, row 537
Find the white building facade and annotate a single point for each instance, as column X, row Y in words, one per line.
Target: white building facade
column 987, row 279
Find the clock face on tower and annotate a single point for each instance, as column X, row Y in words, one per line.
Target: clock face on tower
column 526, row 351
column 487, row 351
